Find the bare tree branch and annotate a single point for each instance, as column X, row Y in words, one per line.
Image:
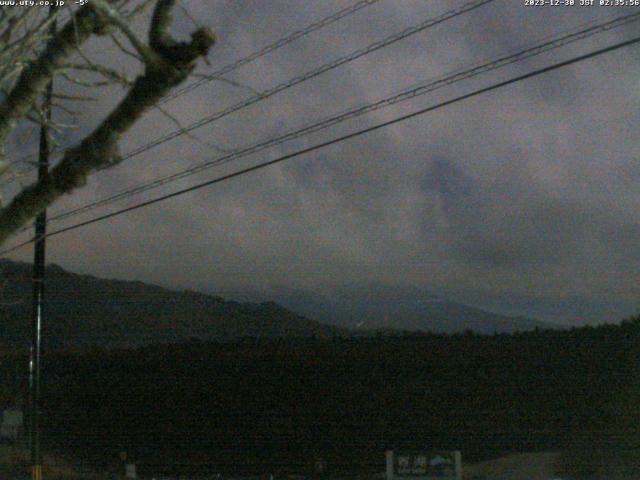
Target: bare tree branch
column 124, row 49
column 115, row 19
column 167, row 64
column 189, row 134
column 35, row 77
column 110, row 75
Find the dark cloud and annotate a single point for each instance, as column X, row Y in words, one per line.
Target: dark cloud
column 523, row 200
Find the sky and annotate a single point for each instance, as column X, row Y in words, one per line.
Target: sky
column 523, row 200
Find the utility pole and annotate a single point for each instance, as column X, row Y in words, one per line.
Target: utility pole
column 38, row 286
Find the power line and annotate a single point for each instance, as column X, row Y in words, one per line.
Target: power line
column 343, row 138
column 404, row 95
column 312, row 27
column 271, row 47
column 310, row 74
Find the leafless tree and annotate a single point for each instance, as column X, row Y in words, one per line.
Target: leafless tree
column 31, row 54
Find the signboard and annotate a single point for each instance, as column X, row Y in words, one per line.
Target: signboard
column 130, row 470
column 425, row 465
column 11, row 424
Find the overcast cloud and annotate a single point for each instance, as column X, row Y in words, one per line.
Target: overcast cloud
column 524, row 200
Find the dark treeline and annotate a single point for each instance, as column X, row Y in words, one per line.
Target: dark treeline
column 254, row 407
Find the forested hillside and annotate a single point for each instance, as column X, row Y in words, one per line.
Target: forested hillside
column 257, row 406
column 83, row 312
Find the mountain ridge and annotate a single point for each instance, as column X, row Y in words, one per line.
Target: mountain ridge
column 382, row 307
column 123, row 314
column 108, row 313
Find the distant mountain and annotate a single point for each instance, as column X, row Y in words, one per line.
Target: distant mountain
column 376, row 307
column 82, row 311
